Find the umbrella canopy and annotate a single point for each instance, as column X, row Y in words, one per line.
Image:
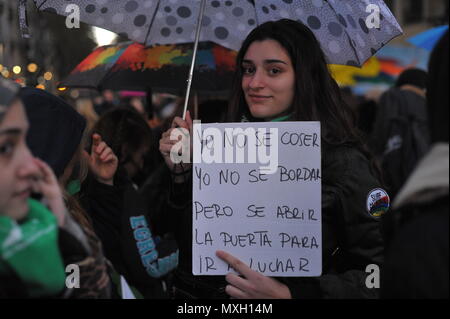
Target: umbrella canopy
column 428, row 39
column 164, row 68
column 340, row 26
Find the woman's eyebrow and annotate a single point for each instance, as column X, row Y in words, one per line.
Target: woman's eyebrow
column 11, row 131
column 270, row 61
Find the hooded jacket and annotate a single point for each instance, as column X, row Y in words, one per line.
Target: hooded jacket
column 400, row 136
column 55, row 134
column 68, row 243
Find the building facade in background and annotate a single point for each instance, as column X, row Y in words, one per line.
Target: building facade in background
column 18, row 52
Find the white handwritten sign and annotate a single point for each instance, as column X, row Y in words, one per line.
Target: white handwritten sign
column 268, row 218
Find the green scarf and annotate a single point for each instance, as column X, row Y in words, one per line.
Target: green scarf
column 281, row 118
column 73, row 187
column 30, row 250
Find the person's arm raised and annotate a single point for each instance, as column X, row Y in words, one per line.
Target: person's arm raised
column 102, row 161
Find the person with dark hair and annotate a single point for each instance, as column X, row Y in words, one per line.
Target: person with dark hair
column 400, row 135
column 107, row 101
column 282, row 75
column 56, row 136
column 38, row 239
column 417, row 260
column 413, row 79
column 120, row 214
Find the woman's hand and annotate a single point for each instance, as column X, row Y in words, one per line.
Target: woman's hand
column 47, row 185
column 102, row 161
column 166, row 144
column 252, row 284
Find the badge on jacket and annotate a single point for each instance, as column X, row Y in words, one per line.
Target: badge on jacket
column 377, row 202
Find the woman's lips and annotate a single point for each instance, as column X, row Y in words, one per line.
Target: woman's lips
column 258, row 98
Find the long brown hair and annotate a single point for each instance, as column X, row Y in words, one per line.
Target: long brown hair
column 317, row 96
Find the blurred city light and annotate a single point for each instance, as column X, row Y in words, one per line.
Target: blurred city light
column 48, row 76
column 17, row 69
column 32, row 67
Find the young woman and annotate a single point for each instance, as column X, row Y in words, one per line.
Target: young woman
column 56, row 136
column 36, row 241
column 283, row 76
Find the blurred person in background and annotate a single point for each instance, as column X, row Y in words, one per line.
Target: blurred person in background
column 120, row 214
column 106, row 102
column 417, row 261
column 400, row 135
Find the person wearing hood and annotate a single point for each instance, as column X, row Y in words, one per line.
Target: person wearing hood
column 55, row 135
column 400, row 134
column 417, row 261
column 37, row 240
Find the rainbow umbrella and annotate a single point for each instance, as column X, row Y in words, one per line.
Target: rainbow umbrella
column 381, row 71
column 164, row 68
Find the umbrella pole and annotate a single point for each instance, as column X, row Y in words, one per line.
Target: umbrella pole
column 194, row 55
column 196, row 105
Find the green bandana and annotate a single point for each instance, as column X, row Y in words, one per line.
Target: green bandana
column 30, row 250
column 73, row 187
column 281, row 118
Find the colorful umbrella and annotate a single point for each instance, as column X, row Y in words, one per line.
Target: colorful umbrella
column 428, row 39
column 381, row 71
column 164, row 68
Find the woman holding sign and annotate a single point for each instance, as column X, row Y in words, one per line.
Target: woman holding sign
column 283, row 76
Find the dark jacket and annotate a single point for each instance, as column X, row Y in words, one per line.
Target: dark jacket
column 351, row 235
column 400, row 136
column 119, row 216
column 417, row 261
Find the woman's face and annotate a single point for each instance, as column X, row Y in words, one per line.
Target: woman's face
column 17, row 167
column 268, row 80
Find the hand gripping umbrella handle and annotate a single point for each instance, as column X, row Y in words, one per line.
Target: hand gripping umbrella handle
column 194, row 55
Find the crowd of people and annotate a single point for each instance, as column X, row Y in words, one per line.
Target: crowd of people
column 93, row 184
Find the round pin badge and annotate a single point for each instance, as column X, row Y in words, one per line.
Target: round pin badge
column 378, row 202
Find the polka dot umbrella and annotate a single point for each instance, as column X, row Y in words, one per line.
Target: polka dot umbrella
column 349, row 31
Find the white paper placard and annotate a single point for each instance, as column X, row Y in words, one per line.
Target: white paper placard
column 272, row 222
